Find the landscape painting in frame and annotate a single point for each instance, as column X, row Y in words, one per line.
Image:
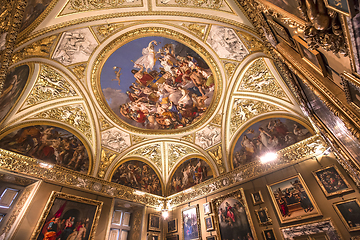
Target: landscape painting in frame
column 50, row 144
column 68, row 217
column 33, row 9
column 14, row 84
column 190, row 173
column 232, row 216
column 269, row 135
column 139, row 175
column 157, row 83
column 293, row 200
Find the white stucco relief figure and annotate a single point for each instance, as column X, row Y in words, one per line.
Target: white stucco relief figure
column 75, row 46
column 226, row 43
column 208, row 137
column 115, row 139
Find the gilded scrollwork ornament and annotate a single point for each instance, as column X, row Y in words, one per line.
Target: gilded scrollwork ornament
column 178, row 151
column 107, row 157
column 252, row 43
column 217, row 119
column 152, row 152
column 79, row 70
column 137, row 139
column 188, row 138
column 216, row 154
column 230, row 68
column 105, row 30
column 197, row 29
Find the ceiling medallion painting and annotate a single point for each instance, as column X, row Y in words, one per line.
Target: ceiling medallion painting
column 50, row 144
column 157, row 83
column 139, row 175
column 269, row 135
column 190, row 173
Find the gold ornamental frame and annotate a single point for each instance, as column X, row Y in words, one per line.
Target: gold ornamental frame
column 60, row 195
column 196, row 207
column 346, row 221
column 268, row 219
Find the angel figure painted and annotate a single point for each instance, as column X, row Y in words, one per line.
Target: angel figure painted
column 157, row 83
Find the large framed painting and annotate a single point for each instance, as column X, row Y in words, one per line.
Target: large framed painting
column 268, row 135
column 154, row 222
column 349, row 212
column 14, row 85
column 139, row 175
column 293, row 200
column 345, row 7
column 67, row 216
column 233, row 216
column 331, row 181
column 351, row 86
column 49, row 144
column 191, row 223
column 188, row 174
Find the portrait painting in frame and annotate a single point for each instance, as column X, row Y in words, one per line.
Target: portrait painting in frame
column 351, row 85
column 172, row 237
column 154, row 222
column 172, row 225
column 207, row 208
column 257, row 198
column 212, row 237
column 331, row 181
column 293, row 200
column 232, row 216
column 191, row 223
column 349, row 212
column 68, row 216
column 209, row 223
column 269, row 234
column 263, row 216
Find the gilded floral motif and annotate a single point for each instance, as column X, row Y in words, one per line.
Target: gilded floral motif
column 152, row 152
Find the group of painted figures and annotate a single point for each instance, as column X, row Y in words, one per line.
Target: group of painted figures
column 173, row 98
column 64, row 229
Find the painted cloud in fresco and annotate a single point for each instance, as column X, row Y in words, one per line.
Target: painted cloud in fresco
column 226, row 43
column 75, row 46
column 269, row 135
column 50, row 144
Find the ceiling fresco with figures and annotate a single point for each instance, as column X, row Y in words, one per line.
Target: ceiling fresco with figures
column 155, row 95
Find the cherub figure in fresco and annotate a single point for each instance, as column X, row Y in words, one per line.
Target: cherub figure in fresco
column 117, row 73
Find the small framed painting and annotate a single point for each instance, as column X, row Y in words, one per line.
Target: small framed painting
column 257, row 197
column 269, row 234
column 345, row 7
column 172, row 225
column 263, row 216
column 154, row 222
column 207, row 208
column 213, row 237
column 172, row 237
column 349, row 212
column 209, row 223
column 331, row 181
column 152, row 236
column 352, row 89
column 281, row 32
column 311, row 57
column 293, row 200
column 191, row 223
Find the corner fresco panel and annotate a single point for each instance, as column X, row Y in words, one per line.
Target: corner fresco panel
column 139, row 175
column 269, row 135
column 50, row 144
column 33, row 9
column 190, row 173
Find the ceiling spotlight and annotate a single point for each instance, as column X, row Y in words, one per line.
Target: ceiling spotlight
column 165, row 213
column 268, row 157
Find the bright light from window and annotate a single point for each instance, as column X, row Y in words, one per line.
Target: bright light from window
column 268, row 157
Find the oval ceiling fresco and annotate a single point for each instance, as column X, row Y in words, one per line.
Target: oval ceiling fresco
column 269, row 135
column 50, row 144
column 139, row 175
column 157, row 83
column 190, row 173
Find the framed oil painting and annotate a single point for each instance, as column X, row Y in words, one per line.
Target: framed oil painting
column 232, row 216
column 212, row 237
column 257, row 197
column 191, row 222
column 269, row 234
column 154, row 222
column 154, row 236
column 172, row 225
column 172, row 237
column 311, row 57
column 349, row 212
column 351, row 86
column 293, row 200
column 33, row 10
column 331, row 181
column 207, row 208
column 281, row 32
column 345, row 7
column 263, row 216
column 209, row 223
column 67, row 216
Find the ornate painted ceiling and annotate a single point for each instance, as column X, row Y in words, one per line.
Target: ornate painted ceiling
column 202, row 83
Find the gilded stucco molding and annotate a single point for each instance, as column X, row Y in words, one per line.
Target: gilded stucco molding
column 293, row 154
column 65, row 177
column 189, row 138
column 79, row 70
column 135, row 139
column 151, row 152
column 219, row 5
column 107, row 157
column 196, row 28
column 230, row 68
column 104, row 123
column 177, row 152
column 252, row 43
column 217, row 156
column 104, row 31
column 217, row 119
column 49, row 85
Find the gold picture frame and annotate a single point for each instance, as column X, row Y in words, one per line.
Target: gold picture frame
column 207, row 208
column 331, row 181
column 262, row 215
column 351, row 85
column 154, row 222
column 190, row 216
column 257, row 198
column 281, row 32
column 311, row 57
column 349, row 212
column 209, row 223
column 269, row 234
column 339, row 7
column 172, row 225
column 300, row 206
column 237, row 200
column 56, row 209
